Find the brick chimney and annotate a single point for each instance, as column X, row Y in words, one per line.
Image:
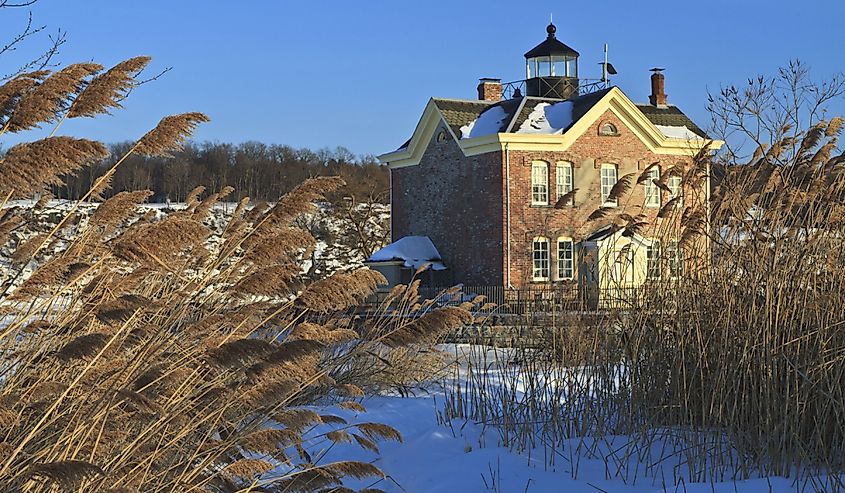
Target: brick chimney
column 658, row 92
column 490, row 89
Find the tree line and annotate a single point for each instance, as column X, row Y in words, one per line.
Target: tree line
column 259, row 171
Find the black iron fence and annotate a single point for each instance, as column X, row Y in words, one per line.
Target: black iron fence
column 580, row 87
column 535, row 299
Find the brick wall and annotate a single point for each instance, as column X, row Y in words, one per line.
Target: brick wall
column 457, row 202
column 586, row 155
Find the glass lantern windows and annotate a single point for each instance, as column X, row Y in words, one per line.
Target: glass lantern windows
column 554, row 66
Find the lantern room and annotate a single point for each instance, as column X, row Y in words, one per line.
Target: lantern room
column 551, row 69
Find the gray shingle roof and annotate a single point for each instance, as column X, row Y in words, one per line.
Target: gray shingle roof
column 459, row 112
column 670, row 116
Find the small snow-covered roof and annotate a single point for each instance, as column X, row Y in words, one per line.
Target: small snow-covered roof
column 414, row 251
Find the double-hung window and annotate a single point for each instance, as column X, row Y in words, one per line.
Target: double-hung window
column 652, row 260
column 539, row 183
column 675, row 257
column 652, row 191
column 675, row 190
column 565, row 266
column 540, row 257
column 564, row 180
column 608, row 179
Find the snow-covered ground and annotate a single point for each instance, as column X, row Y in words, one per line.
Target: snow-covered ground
column 440, row 456
column 434, row 458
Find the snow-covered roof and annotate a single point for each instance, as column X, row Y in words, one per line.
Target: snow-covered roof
column 488, row 122
column 526, row 115
column 544, row 118
column 681, row 132
column 670, row 116
column 548, row 118
column 413, row 251
column 473, row 119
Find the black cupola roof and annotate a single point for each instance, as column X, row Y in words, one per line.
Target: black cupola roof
column 551, row 46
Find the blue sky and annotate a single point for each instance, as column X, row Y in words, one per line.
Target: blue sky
column 358, row 74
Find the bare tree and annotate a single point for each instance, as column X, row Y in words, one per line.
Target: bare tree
column 768, row 115
column 369, row 227
column 30, row 31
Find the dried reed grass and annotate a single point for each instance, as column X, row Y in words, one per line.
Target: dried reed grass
column 731, row 369
column 163, row 358
column 105, row 91
column 161, row 355
column 43, row 102
column 30, row 167
column 170, row 132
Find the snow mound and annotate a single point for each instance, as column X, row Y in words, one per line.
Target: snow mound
column 488, row 122
column 548, row 118
column 681, row 132
column 414, row 251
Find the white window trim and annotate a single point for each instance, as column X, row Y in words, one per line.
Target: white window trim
column 565, row 170
column 565, row 239
column 544, row 183
column 534, row 269
column 604, row 201
column 651, row 190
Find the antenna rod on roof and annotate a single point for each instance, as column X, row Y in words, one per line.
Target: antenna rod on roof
column 607, row 69
column 604, row 67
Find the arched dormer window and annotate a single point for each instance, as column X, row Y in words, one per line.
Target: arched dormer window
column 608, row 129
